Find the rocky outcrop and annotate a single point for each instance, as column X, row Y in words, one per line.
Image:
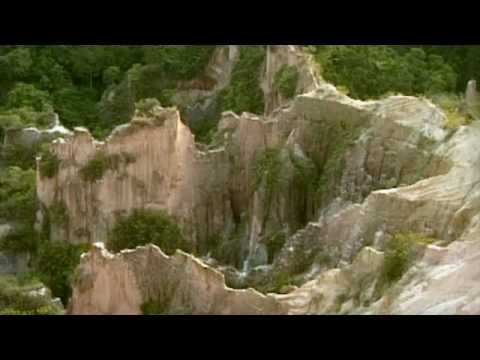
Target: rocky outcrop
column 145, row 280
column 157, row 166
column 31, row 136
column 352, row 147
column 337, row 290
column 392, row 143
column 199, row 97
column 443, row 206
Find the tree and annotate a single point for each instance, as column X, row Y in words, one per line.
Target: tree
column 147, row 227
column 27, row 95
column 111, row 75
column 19, row 63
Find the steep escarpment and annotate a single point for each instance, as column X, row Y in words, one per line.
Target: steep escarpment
column 261, row 177
column 148, row 163
column 128, row 284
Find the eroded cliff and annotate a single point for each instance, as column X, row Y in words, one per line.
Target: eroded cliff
column 128, row 284
column 308, row 194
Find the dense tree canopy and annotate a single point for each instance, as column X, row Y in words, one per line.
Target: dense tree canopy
column 373, row 71
column 95, row 86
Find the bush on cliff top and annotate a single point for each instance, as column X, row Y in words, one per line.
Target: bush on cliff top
column 144, row 227
column 95, row 168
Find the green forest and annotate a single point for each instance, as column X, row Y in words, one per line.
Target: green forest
column 77, row 81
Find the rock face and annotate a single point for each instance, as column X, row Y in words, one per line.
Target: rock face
column 217, row 191
column 279, row 56
column 444, row 206
column 157, row 168
column 444, row 282
column 30, row 137
column 180, row 284
column 337, row 290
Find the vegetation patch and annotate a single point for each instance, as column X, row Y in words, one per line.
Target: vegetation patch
column 96, row 167
column 18, row 206
column 54, row 265
column 454, row 108
column 286, row 81
column 19, row 118
column 270, row 173
column 372, row 71
column 340, row 138
column 58, row 213
column 49, row 163
column 244, row 93
column 400, row 253
column 274, row 244
column 146, row 107
column 17, row 194
column 16, row 300
column 144, row 227
column 279, row 284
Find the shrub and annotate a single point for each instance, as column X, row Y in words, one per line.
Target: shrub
column 275, row 243
column 268, row 168
column 145, row 106
column 24, row 239
column 19, row 155
column 399, row 255
column 452, row 107
column 49, row 163
column 143, row 227
column 17, row 195
column 96, row 167
column 55, row 265
column 22, row 117
column 269, row 172
column 286, row 81
column 15, row 300
column 154, row 307
column 57, row 213
column 281, row 281
column 27, row 95
column 244, row 93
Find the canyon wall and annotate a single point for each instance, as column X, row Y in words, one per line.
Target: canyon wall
column 123, row 284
